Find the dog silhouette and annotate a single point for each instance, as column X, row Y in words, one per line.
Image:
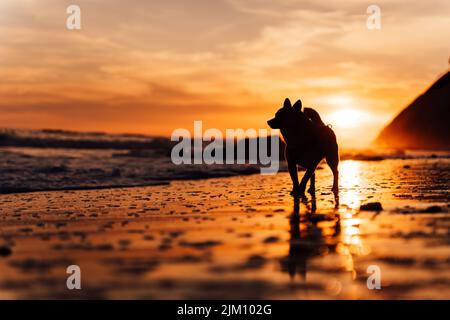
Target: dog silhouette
column 308, row 141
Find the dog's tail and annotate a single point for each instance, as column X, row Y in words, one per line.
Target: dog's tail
column 314, row 116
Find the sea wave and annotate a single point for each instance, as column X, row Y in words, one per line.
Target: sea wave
column 43, row 160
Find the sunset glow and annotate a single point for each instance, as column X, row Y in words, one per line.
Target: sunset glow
column 348, row 118
column 154, row 66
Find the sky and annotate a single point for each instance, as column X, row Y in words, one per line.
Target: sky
column 154, row 66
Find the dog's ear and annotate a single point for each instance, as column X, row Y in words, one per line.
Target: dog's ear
column 298, row 105
column 287, row 103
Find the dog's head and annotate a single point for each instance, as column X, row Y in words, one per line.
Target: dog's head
column 287, row 116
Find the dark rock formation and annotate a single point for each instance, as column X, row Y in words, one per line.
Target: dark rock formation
column 424, row 124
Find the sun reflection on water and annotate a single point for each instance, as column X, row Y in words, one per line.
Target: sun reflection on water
column 314, row 235
column 350, row 181
column 350, row 184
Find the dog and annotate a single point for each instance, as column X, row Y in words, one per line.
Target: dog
column 308, row 141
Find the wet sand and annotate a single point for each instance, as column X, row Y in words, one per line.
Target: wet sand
column 237, row 237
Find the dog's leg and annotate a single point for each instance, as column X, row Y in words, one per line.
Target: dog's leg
column 336, row 185
column 333, row 162
column 313, row 205
column 335, row 188
column 292, row 167
column 335, row 180
column 309, row 172
column 312, row 185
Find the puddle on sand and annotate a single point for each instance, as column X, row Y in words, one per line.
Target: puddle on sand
column 239, row 237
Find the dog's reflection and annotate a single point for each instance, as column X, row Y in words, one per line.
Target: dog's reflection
column 309, row 238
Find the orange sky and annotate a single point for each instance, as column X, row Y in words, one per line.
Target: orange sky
column 154, row 66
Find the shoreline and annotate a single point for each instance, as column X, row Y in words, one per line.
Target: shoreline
column 186, row 173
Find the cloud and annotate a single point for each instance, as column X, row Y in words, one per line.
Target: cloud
column 153, row 65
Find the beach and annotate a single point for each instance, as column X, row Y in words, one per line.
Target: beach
column 240, row 237
column 149, row 150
